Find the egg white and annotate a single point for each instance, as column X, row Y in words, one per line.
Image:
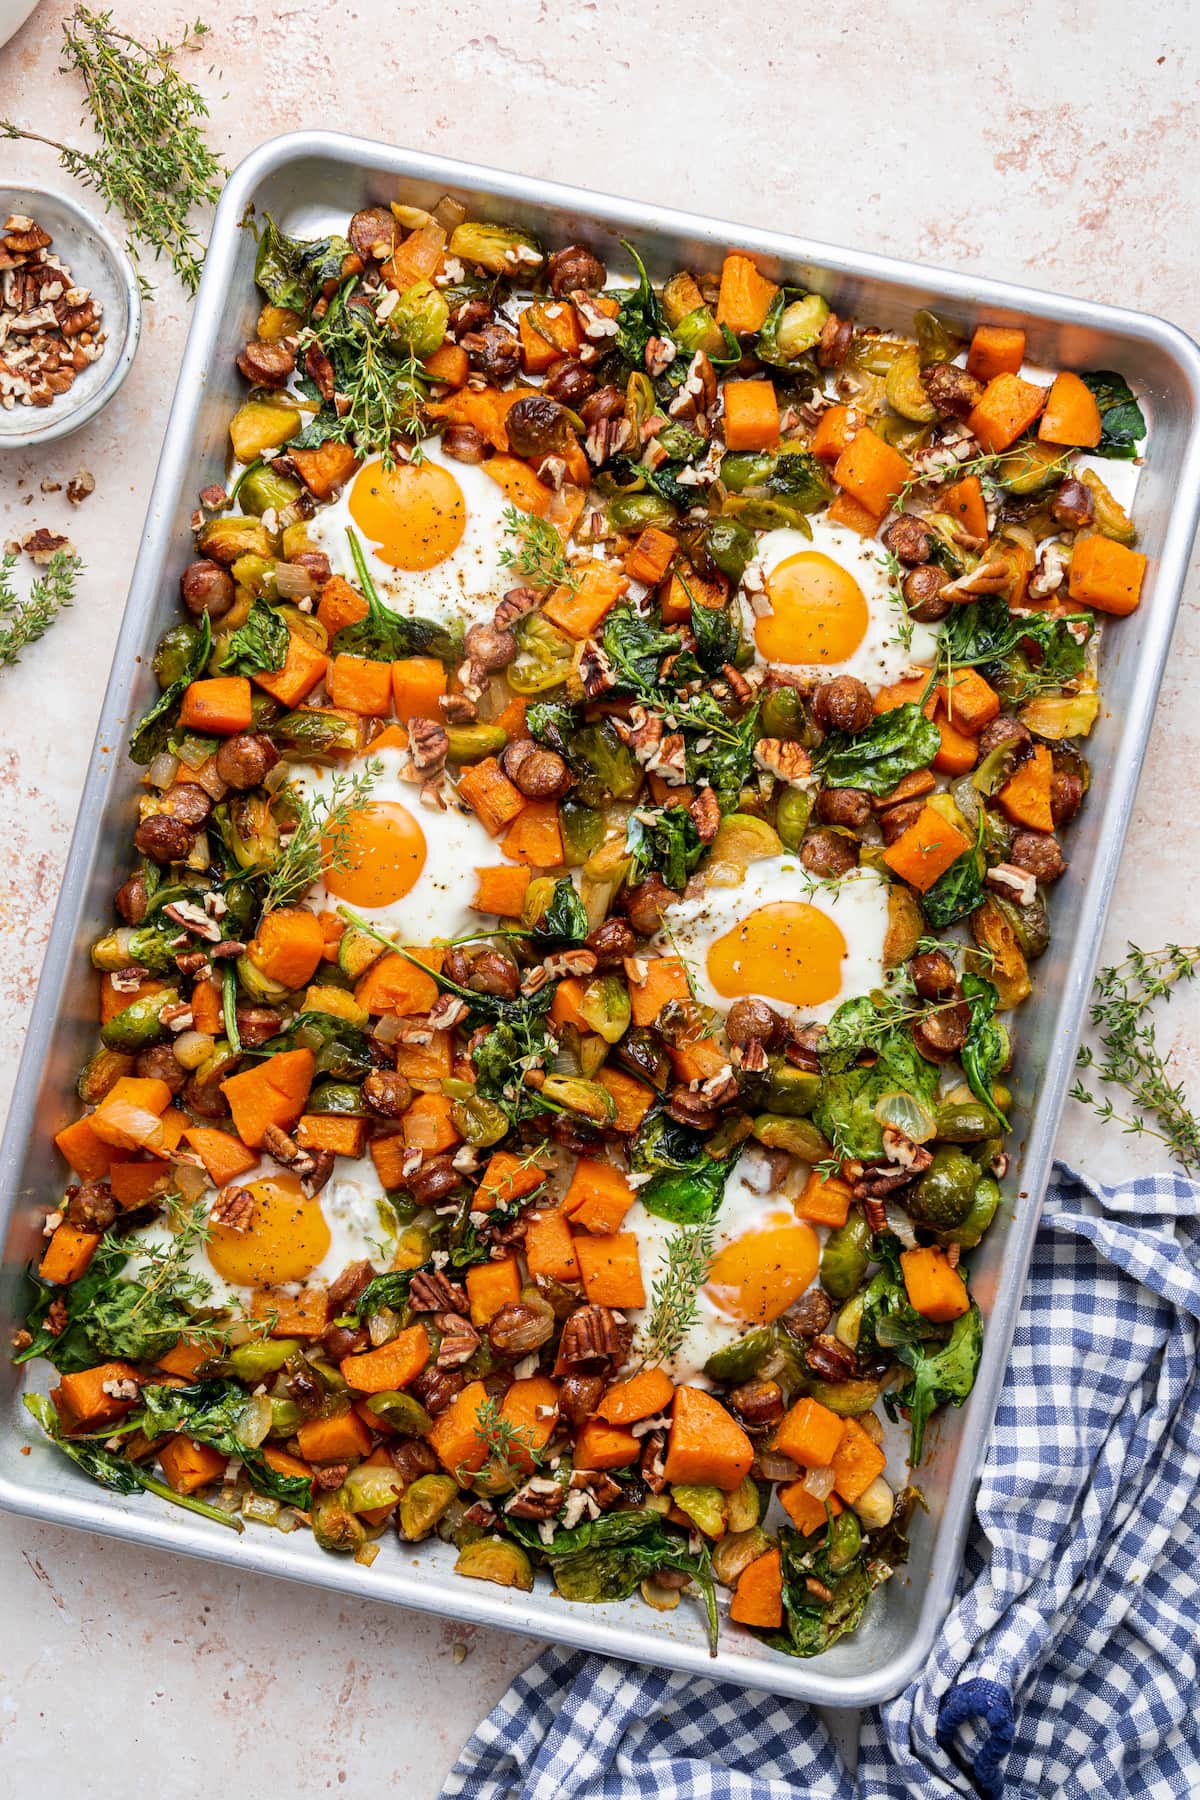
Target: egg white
column 467, row 584
column 355, row 1208
column 856, row 902
column 750, row 1203
column 881, row 657
column 456, row 844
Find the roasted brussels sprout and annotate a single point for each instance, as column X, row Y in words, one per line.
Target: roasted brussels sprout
column 399, row 1410
column 582, row 830
column 846, row 1257
column 479, row 1121
column 904, row 390
column 942, row 1197
column 604, row 767
column 736, row 1551
column 177, row 647
column 800, row 1136
column 698, row 330
column 799, row 326
column 730, row 546
column 792, row 1091
column 261, row 489
column 606, row 1007
column 224, row 540
column 634, row 512
column 138, row 1025
column 705, row 1506
column 99, row 1074
column 544, row 659
column 783, row 715
column 334, row 1525
column 471, row 743
column 314, row 732
column 419, row 319
column 253, row 1362
column 500, row 249
column 982, row 1211
column 792, row 812
column 259, row 426
column 498, row 1560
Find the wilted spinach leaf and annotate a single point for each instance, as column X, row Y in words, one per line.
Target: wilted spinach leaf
column 984, row 634
column 1122, row 422
column 894, row 744
column 670, row 843
column 565, row 919
column 112, row 1470
column 153, row 730
column 209, row 1411
column 986, row 1047
column 640, row 317
column 258, row 647
column 292, row 271
column 959, row 891
column 941, row 1375
column 613, row 1571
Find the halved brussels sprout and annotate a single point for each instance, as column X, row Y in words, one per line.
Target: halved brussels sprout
column 965, row 1121
column 340, row 1098
column 356, row 952
column 799, row 1136
column 800, row 325
column 138, row 1025
column 1031, row 924
column 100, row 1074
column 249, row 830
column 371, row 1485
column 634, row 512
column 253, row 1362
column 544, row 658
column 277, row 322
column 479, row 1121
column 698, row 330
column 744, row 1506
column 743, row 1360
column 606, row 1006
column 845, row 1257
column 791, row 1091
column 316, row 732
column 399, row 1410
column 980, row 1215
column 792, row 811
column 904, row 927
column 498, row 1560
column 582, row 830
column 500, row 249
column 704, row 1505
column 261, row 488
column 334, row 1525
column 851, row 1398
column 938, row 339
column 741, row 839
column 419, row 318
column 736, row 1551
column 730, row 546
column 875, row 1505
column 941, row 1199
column 587, row 1098
column 260, row 425
column 174, row 652
column 259, row 987
column 783, row 715
column 256, row 574
column 680, row 296
column 905, row 391
column 1029, row 467
column 1056, row 717
column 471, row 743
column 225, row 539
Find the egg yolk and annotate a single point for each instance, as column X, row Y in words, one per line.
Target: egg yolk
column 379, row 855
column 413, row 514
column 758, row 1276
column 818, row 612
column 284, row 1239
column 787, row 951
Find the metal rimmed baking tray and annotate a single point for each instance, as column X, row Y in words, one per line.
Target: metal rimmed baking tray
column 305, row 181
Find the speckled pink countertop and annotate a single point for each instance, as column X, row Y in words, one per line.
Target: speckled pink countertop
column 1057, row 146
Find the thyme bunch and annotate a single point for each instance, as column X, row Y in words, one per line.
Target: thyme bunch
column 320, row 842
column 151, row 163
column 1129, row 1056
column 23, row 622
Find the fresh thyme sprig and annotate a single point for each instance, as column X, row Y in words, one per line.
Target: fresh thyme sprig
column 151, row 163
column 510, row 1450
column 320, row 842
column 539, row 555
column 1129, row 1056
column 674, row 1296
column 985, row 464
column 895, row 575
column 383, row 385
column 23, row 622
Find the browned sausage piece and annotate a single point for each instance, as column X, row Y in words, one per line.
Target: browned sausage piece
column 1039, row 854
column 373, row 232
column 1066, row 795
column 843, row 704
column 243, row 760
column 206, row 588
column 849, row 807
column 159, row 1064
column 1002, row 730
column 188, row 803
column 828, row 853
column 266, row 365
column 575, row 268
column 908, row 539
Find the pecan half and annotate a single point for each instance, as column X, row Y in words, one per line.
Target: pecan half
column 780, row 757
column 427, row 744
column 286, row 1151
column 431, row 1291
column 590, row 1338
column 233, row 1209
column 460, row 1340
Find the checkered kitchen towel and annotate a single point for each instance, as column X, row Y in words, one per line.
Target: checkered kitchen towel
column 1067, row 1666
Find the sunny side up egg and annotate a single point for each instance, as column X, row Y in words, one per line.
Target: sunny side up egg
column 803, row 945
column 764, row 1258
column 829, row 607
column 431, row 532
column 293, row 1238
column 408, row 868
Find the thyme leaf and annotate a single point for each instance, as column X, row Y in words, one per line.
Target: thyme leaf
column 1129, row 1056
column 539, row 554
column 23, row 622
column 320, row 842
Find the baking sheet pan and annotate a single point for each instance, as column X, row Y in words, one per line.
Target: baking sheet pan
column 305, row 180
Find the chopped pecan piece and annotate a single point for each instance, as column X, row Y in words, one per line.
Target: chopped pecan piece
column 233, row 1209
column 590, row 1338
column 427, row 744
column 780, row 757
column 460, row 1340
column 431, row 1291
column 287, row 1151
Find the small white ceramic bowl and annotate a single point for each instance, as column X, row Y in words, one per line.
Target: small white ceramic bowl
column 96, row 262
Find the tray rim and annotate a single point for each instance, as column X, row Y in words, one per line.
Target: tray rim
column 800, row 1680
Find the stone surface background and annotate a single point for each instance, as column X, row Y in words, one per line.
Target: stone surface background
column 1055, row 145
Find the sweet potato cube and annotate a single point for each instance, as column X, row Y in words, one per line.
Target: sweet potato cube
column 809, row 1434
column 611, row 1271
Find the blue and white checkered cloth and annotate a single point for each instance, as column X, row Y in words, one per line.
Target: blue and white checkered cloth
column 1067, row 1666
